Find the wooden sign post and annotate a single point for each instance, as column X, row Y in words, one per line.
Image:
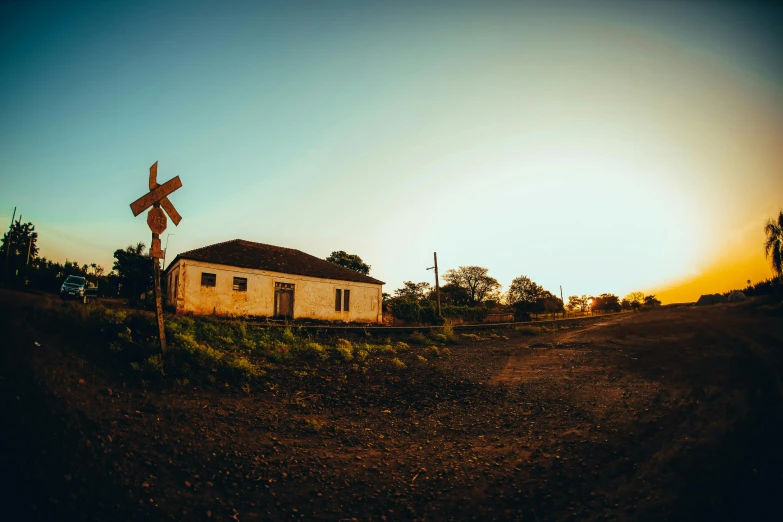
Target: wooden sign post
column 157, row 198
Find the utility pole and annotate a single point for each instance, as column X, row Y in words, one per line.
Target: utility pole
column 8, row 243
column 437, row 281
column 29, row 247
column 562, row 299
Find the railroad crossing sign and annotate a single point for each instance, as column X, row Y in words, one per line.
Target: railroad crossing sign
column 156, row 198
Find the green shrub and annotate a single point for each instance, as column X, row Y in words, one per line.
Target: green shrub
column 105, row 315
column 413, row 311
column 311, row 351
column 344, row 350
column 248, row 345
column 466, row 313
column 448, row 331
column 241, row 328
column 433, row 351
column 206, row 357
column 421, row 359
column 360, row 355
column 184, row 340
column 397, row 364
column 418, row 338
column 400, row 346
column 205, row 330
column 228, row 341
column 381, row 349
column 278, row 351
column 528, row 330
column 471, row 337
column 180, row 324
column 244, row 368
column 445, row 351
column 153, row 366
column 440, row 338
column 287, row 336
column 406, row 310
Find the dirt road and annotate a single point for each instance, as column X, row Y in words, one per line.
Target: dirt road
column 668, row 415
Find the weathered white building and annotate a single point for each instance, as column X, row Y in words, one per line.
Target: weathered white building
column 253, row 279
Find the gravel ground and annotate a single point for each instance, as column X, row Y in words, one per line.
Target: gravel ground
column 669, row 415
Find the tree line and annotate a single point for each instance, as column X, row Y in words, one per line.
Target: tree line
column 471, row 293
column 130, row 277
column 471, row 288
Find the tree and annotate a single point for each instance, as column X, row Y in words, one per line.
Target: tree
column 134, row 271
column 97, row 270
column 606, row 303
column 547, row 302
column 454, row 295
column 352, row 261
column 633, row 301
column 773, row 246
column 18, row 241
column 413, row 291
column 651, row 301
column 574, row 302
column 523, row 291
column 475, row 281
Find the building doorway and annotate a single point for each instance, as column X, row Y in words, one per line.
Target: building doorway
column 284, row 300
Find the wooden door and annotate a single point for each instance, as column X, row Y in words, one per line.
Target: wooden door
column 284, row 300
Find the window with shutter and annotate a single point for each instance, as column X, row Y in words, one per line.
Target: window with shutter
column 208, row 279
column 338, row 300
column 240, row 284
column 347, row 294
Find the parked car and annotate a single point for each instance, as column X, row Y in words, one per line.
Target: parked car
column 77, row 287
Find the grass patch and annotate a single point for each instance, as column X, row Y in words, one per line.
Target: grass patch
column 344, row 350
column 529, row 330
column 206, row 349
column 380, row 349
column 418, row 338
column 439, row 338
column 311, row 351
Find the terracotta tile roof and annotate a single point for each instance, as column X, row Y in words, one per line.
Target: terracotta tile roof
column 247, row 254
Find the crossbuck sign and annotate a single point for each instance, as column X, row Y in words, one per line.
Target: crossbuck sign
column 157, row 198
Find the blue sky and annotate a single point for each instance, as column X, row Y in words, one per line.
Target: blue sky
column 605, row 147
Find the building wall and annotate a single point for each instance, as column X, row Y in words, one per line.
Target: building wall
column 172, row 291
column 314, row 298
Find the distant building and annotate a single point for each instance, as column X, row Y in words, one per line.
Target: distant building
column 253, row 279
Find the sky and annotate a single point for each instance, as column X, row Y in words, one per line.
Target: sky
column 601, row 147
